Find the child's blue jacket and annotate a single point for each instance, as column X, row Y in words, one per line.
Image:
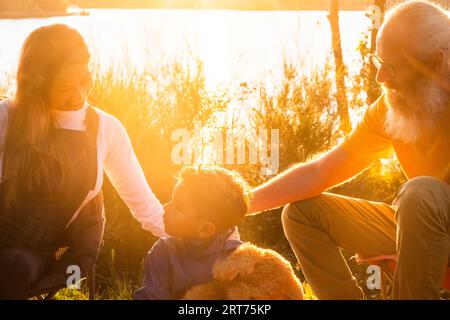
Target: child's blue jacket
column 173, row 266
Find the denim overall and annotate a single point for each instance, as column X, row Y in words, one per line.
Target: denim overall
column 31, row 233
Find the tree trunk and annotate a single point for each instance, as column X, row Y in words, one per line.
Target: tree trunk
column 340, row 69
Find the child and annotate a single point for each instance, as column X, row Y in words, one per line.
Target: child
column 201, row 219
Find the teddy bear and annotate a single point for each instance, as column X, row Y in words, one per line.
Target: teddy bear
column 250, row 273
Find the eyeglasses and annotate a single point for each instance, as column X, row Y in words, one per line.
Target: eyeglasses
column 376, row 60
column 390, row 69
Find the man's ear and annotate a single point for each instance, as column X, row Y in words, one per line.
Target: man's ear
column 207, row 229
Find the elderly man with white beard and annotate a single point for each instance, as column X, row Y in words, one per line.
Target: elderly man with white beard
column 413, row 118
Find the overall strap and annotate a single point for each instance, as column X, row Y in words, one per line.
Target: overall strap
column 92, row 120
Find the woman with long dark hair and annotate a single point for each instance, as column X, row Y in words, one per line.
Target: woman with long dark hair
column 54, row 148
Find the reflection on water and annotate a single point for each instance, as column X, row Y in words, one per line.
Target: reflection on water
column 234, row 45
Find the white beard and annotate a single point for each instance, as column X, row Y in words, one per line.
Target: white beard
column 416, row 113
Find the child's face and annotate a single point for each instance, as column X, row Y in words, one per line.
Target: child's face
column 180, row 217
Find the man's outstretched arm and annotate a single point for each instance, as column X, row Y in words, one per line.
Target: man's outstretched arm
column 308, row 180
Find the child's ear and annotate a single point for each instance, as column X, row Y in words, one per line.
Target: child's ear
column 207, row 229
column 438, row 60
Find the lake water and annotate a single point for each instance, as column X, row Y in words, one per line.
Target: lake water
column 234, row 45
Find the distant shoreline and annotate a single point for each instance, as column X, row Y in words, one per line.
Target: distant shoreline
column 85, row 11
column 35, row 14
column 31, row 15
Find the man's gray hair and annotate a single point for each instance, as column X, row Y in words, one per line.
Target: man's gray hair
column 425, row 22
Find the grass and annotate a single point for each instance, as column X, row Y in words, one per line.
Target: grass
column 124, row 289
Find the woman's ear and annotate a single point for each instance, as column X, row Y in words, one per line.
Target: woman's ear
column 206, row 230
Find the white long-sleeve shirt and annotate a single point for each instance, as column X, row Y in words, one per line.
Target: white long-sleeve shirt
column 116, row 156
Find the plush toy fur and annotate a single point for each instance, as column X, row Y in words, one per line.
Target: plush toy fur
column 250, row 273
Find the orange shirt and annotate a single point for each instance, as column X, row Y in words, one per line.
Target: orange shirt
column 426, row 157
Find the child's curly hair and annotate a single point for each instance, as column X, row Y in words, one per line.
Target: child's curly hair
column 216, row 194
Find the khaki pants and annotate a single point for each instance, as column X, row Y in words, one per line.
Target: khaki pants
column 416, row 228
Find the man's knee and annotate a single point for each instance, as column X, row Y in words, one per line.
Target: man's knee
column 422, row 198
column 299, row 212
